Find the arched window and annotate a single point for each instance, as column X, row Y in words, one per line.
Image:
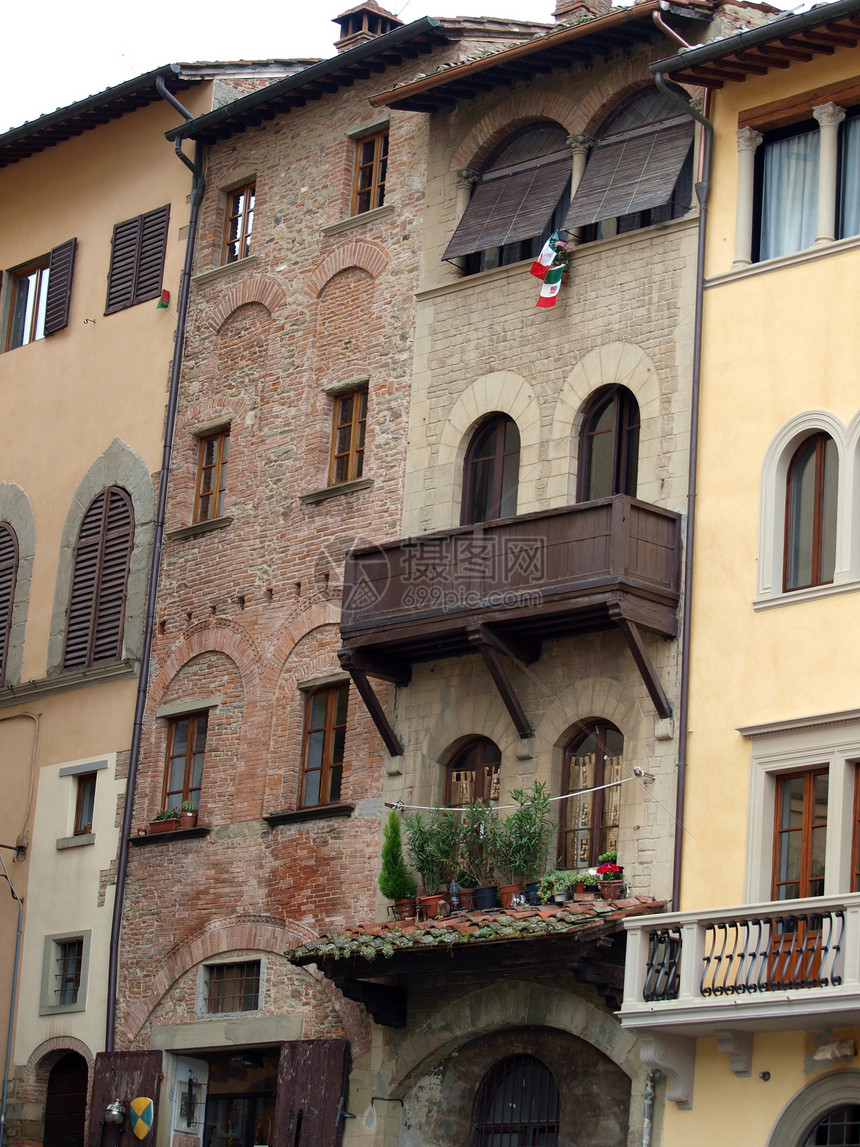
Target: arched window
column 8, row 578
column 491, row 471
column 520, row 197
column 840, row 1127
column 589, row 822
column 609, row 446
column 517, row 1105
column 473, row 774
column 640, row 170
column 810, row 514
column 96, row 611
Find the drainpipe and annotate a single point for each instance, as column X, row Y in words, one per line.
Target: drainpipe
column 198, row 187
column 648, row 1111
column 702, row 190
column 14, row 997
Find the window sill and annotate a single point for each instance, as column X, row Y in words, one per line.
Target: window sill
column 327, row 492
column 358, row 220
column 198, row 528
column 169, row 837
column 796, row 596
column 78, row 841
column 225, row 269
column 63, row 681
column 316, row 812
column 798, row 258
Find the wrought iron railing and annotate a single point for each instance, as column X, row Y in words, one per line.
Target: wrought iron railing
column 663, row 966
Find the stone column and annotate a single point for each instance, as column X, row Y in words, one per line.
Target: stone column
column 748, row 141
column 466, row 180
column 579, row 147
column 829, row 117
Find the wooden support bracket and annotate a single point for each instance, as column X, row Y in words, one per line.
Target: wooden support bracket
column 640, row 655
column 352, row 662
column 488, row 645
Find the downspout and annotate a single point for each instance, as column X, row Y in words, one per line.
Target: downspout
column 702, row 191
column 648, row 1108
column 198, row 186
column 14, row 997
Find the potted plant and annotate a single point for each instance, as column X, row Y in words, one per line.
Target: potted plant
column 610, row 875
column 396, row 882
column 165, row 821
column 555, row 885
column 433, row 847
column 479, row 835
column 188, row 814
column 526, row 835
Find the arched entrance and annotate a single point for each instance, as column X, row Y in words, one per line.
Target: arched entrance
column 66, row 1102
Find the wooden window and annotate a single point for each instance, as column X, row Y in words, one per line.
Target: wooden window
column 371, row 168
column 347, row 442
column 211, row 475
column 8, row 580
column 67, row 976
column 323, row 744
column 589, row 822
column 474, row 774
column 855, row 844
column 96, row 611
column 186, row 746
column 491, row 471
column 810, row 514
column 518, row 1104
column 137, row 260
column 609, row 446
column 800, row 835
column 238, row 223
column 233, row 987
column 41, row 296
column 85, row 800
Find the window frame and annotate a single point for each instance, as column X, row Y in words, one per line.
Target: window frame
column 329, row 728
column 498, row 1078
column 500, row 494
column 220, row 971
column 36, row 326
column 378, row 166
column 218, row 468
column 486, row 772
column 599, row 730
column 806, row 829
column 85, row 801
column 52, row 952
column 819, row 523
column 189, row 791
column 624, row 450
column 237, row 210
column 356, row 427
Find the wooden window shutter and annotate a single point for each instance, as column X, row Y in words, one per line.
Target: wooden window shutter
column 631, row 171
column 510, row 205
column 99, row 581
column 313, row 1081
column 61, row 266
column 122, row 1075
column 8, row 578
column 137, row 259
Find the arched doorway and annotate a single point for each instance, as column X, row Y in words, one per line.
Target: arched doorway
column 66, row 1102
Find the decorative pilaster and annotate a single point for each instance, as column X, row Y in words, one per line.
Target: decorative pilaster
column 579, row 145
column 748, row 142
column 829, row 117
column 466, row 180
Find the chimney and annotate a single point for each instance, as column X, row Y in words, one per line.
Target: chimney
column 567, row 10
column 364, row 22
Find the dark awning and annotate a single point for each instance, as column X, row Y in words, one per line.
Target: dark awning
column 511, row 204
column 631, row 171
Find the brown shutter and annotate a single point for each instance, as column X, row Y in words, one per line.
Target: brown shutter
column 511, row 205
column 122, row 1075
column 123, row 265
column 61, row 266
column 631, row 171
column 153, row 243
column 8, row 577
column 313, row 1082
column 99, row 580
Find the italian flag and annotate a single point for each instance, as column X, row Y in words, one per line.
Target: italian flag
column 551, row 284
column 544, row 260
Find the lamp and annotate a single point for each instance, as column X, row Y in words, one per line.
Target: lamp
column 115, row 1112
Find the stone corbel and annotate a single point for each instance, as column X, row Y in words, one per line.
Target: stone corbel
column 675, row 1056
column 738, row 1046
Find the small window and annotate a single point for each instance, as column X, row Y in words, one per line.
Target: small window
column 347, row 442
column 137, row 260
column 323, row 745
column 85, row 803
column 211, row 476
column 589, row 822
column 8, row 581
column 371, row 168
column 41, row 296
column 67, row 977
column 474, row 774
column 233, row 987
column 840, row 1127
column 810, row 514
column 787, row 190
column 609, row 447
column 518, row 1103
column 801, row 835
column 491, row 471
column 238, row 223
column 849, row 190
column 65, row 965
column 186, row 746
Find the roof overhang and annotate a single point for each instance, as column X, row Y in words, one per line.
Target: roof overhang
column 785, row 40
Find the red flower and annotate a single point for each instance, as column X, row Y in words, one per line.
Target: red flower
column 611, row 871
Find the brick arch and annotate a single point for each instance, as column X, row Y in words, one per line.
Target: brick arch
column 611, row 91
column 259, row 289
column 234, row 643
column 370, row 257
column 51, row 1050
column 512, row 1004
column 314, row 616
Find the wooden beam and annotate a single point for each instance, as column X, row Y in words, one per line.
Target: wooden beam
column 351, row 663
column 488, row 649
column 643, row 661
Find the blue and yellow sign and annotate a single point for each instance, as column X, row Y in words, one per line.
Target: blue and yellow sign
column 142, row 1115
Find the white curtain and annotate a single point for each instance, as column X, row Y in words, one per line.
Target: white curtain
column 790, row 195
column 850, row 179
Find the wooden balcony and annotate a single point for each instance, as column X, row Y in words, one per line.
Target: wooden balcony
column 504, row 586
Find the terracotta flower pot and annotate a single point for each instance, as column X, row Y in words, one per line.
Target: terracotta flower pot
column 164, row 825
column 507, row 892
column 467, row 896
column 404, row 909
column 188, row 820
column 429, row 905
column 611, row 889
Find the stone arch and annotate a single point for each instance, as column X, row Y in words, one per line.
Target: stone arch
column 613, row 364
column 610, row 92
column 514, row 112
column 369, row 257
column 119, row 465
column 260, row 289
column 812, row 1103
column 15, row 509
column 501, row 391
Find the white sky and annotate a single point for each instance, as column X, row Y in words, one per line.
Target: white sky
column 60, row 51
